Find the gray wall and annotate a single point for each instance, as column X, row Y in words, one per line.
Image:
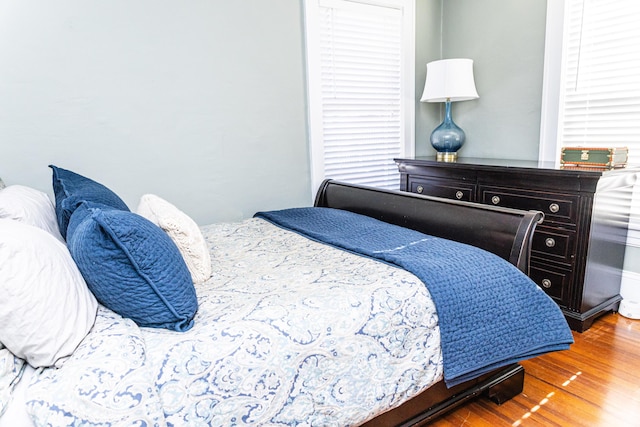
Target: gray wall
column 505, row 38
column 428, row 48
column 200, row 102
column 204, row 102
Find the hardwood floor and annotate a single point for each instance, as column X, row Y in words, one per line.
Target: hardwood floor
column 595, row 383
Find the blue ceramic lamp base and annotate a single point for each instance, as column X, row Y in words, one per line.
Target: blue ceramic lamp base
column 447, row 138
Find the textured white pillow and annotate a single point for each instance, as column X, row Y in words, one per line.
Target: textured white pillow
column 184, row 232
column 31, row 206
column 46, row 308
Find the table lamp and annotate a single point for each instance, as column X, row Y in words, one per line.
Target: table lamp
column 449, row 80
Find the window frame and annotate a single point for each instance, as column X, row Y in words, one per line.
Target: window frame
column 314, row 88
column 550, row 145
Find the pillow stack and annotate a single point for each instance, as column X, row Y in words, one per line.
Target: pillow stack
column 130, row 264
column 59, row 262
column 46, row 308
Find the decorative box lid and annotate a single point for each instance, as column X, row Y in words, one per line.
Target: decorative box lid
column 585, row 157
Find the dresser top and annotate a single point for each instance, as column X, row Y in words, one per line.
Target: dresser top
column 514, row 164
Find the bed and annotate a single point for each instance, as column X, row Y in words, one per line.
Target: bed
column 306, row 316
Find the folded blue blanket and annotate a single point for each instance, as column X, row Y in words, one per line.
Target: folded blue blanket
column 490, row 313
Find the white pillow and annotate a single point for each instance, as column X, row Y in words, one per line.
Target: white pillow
column 30, row 206
column 46, row 308
column 184, row 232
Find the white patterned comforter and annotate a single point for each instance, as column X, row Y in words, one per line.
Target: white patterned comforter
column 288, row 332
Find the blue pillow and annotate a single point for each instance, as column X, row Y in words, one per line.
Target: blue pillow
column 71, row 189
column 132, row 267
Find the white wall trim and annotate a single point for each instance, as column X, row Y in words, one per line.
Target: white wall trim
column 314, row 113
column 314, row 116
column 630, row 287
column 553, row 47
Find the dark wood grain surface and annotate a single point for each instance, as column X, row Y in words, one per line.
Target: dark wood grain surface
column 596, row 384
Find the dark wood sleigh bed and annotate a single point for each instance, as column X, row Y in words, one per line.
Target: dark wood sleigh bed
column 505, row 232
column 254, row 320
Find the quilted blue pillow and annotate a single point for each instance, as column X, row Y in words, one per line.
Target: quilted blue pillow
column 71, row 189
column 132, row 267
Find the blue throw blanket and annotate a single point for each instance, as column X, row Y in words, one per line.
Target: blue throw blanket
column 490, row 313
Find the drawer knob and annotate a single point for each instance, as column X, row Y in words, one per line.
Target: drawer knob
column 546, row 283
column 495, row 200
column 459, row 195
column 554, row 207
column 550, row 242
column 420, row 189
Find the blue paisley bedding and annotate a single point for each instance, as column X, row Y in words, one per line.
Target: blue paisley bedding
column 491, row 314
column 289, row 331
column 11, row 368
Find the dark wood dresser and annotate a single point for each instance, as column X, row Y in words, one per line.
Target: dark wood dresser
column 578, row 250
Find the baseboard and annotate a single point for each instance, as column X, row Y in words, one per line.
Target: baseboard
column 630, row 287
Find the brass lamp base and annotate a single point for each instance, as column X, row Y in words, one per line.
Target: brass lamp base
column 446, row 157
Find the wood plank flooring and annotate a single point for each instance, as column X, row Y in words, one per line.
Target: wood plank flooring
column 594, row 384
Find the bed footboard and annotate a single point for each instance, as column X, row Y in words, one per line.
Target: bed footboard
column 498, row 386
column 505, row 232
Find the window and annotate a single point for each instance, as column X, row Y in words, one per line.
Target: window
column 594, row 46
column 360, row 68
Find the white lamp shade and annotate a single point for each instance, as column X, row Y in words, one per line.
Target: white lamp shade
column 450, row 79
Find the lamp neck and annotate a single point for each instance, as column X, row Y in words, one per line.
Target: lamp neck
column 447, row 112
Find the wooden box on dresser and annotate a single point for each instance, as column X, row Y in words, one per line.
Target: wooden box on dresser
column 578, row 250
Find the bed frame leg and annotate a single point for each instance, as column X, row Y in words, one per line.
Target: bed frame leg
column 506, row 386
column 499, row 388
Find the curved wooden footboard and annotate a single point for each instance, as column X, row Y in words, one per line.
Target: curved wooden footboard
column 505, row 232
column 498, row 386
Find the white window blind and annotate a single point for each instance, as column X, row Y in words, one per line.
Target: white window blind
column 360, row 66
column 600, row 87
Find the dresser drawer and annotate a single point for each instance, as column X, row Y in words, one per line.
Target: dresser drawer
column 556, row 207
column 444, row 188
column 573, row 257
column 557, row 245
column 554, row 282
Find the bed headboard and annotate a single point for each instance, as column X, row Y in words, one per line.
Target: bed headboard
column 505, row 232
